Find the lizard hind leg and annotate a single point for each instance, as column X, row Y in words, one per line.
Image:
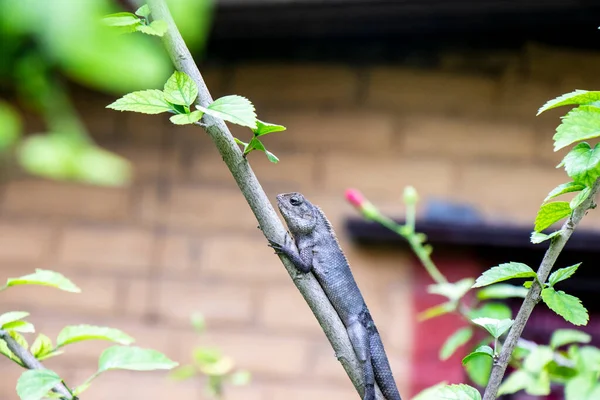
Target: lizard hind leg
column 359, row 337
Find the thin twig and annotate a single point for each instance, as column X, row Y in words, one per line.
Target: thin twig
column 30, row 362
column 260, row 205
column 416, row 246
column 533, row 296
column 425, row 257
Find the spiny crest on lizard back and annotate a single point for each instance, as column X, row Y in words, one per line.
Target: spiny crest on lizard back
column 330, row 230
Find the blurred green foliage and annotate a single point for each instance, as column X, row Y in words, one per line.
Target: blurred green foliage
column 47, row 43
column 211, row 365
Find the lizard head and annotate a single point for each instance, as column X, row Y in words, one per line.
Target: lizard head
column 299, row 213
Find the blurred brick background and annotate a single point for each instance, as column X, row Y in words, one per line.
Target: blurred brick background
column 182, row 239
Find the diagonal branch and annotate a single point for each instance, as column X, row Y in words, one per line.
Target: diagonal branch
column 534, row 294
column 30, row 362
column 264, row 212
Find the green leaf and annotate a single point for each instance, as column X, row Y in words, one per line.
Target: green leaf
column 44, row 277
column 534, row 384
column 538, row 358
column 4, row 350
column 564, row 188
column 550, row 213
column 449, row 392
column 34, row 384
column 71, row 38
column 156, row 28
column 587, row 358
column 234, row 108
column 540, row 385
column 78, row 333
column 59, row 156
column 82, row 388
column 182, row 373
column 185, row 119
column 567, row 306
column 144, row 101
column 579, row 124
column 19, row 326
column 207, row 355
column 582, row 387
column 41, row 346
column 454, row 341
column 100, row 167
column 263, row 128
column 577, row 97
column 121, row 19
column 539, row 237
column 516, row 381
column 458, row 392
column 431, row 393
column 496, row 327
column 19, row 339
column 520, row 352
column 504, row 272
column 48, row 155
column 491, row 310
column 180, row 89
column 580, row 198
column 238, row 141
column 436, row 311
column 256, row 144
column 220, row 367
column 241, row 378
column 143, row 11
column 272, row 157
column 501, row 291
column 561, row 337
column 481, row 351
column 582, row 163
column 10, row 122
column 11, row 316
column 562, row 274
column 133, row 358
column 453, row 291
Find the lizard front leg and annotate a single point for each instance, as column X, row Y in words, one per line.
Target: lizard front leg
column 359, row 337
column 302, row 261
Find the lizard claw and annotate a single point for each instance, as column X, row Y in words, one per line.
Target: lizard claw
column 275, row 246
column 278, row 247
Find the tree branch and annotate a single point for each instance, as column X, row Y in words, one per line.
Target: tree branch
column 30, row 362
column 533, row 296
column 264, row 212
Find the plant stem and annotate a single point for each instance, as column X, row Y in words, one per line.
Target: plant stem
column 30, row 362
column 416, row 245
column 260, row 205
column 533, row 296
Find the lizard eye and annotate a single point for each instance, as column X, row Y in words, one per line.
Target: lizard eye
column 295, row 201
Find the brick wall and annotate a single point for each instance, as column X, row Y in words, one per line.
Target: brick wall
column 181, row 238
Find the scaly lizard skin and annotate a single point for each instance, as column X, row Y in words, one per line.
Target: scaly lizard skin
column 317, row 249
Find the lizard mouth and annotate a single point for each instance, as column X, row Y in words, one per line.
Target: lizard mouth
column 281, row 200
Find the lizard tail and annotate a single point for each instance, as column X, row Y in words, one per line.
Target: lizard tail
column 382, row 369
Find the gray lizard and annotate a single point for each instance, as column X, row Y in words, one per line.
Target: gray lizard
column 317, row 249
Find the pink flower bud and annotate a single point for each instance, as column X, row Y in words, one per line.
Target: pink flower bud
column 355, row 198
